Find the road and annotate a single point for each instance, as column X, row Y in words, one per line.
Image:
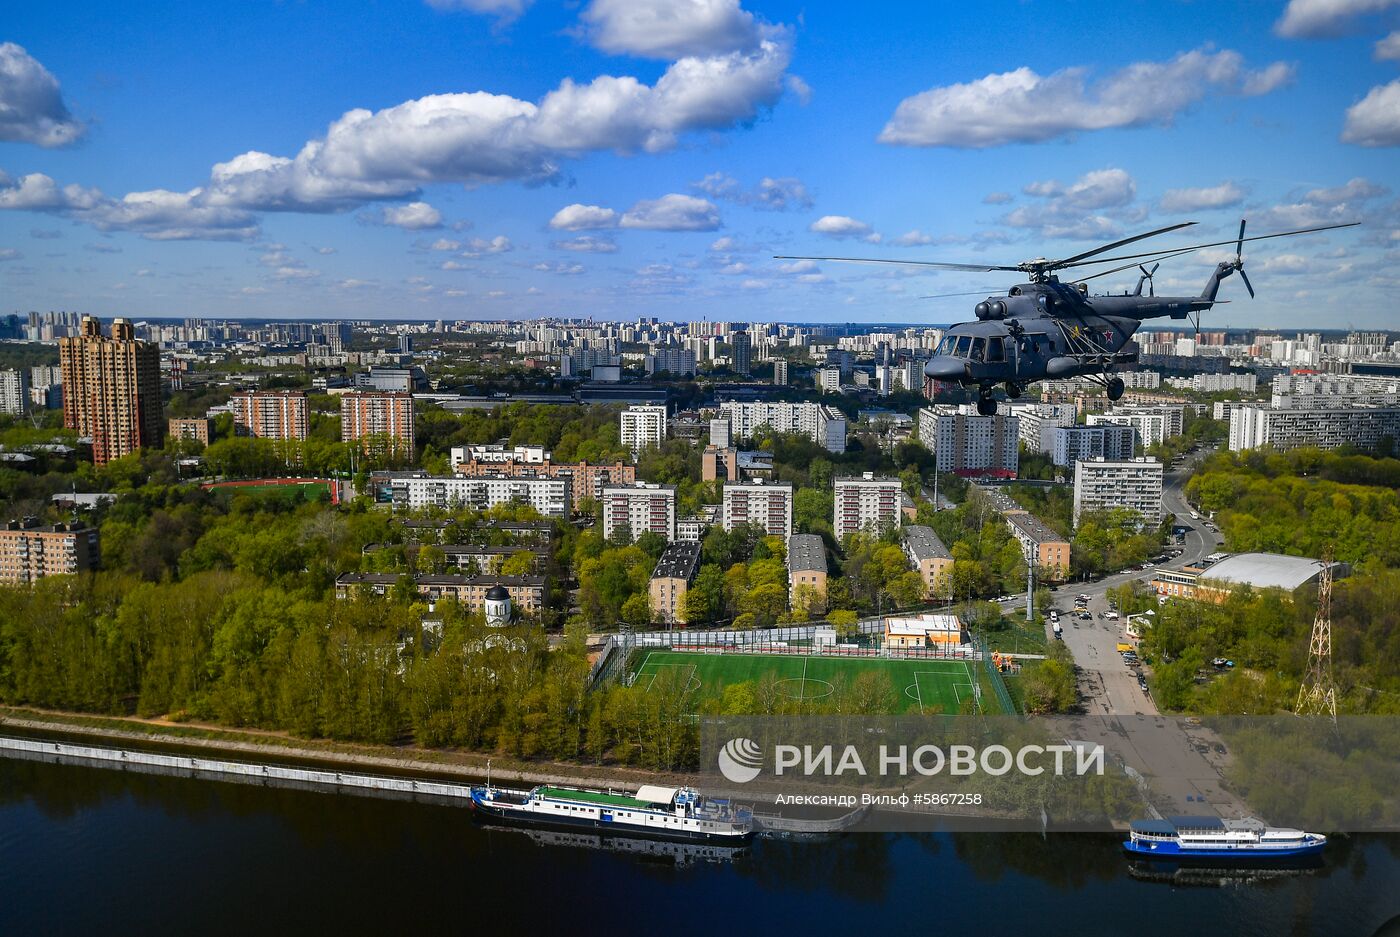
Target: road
column 1180, row 759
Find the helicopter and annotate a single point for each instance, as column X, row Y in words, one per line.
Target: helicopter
column 1049, row 329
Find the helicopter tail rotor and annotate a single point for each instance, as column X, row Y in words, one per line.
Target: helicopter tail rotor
column 1147, row 276
column 1239, row 260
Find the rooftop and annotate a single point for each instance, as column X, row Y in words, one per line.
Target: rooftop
column 679, row 561
column 1269, row 570
column 806, row 552
column 924, row 544
column 1034, row 528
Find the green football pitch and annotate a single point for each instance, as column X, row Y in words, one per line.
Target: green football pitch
column 920, row 686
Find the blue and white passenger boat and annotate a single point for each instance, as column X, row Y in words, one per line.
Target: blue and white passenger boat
column 1246, row 840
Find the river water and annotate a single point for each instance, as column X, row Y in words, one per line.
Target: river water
column 87, row 850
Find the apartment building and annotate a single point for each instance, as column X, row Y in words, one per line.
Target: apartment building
column 643, row 427
column 1252, row 427
column 641, row 508
column 197, row 428
column 29, row 552
column 270, row 414
column 759, row 503
column 824, row 425
column 383, row 420
column 527, row 593
column 1136, row 484
column 549, row 496
column 970, row 444
column 867, row 503
column 806, row 562
column 1040, row 544
column 112, row 389
column 1071, row 444
column 671, row 579
column 930, row 559
column 1154, row 425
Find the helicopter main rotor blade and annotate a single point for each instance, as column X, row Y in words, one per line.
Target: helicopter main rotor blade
column 1104, row 273
column 1239, row 241
column 949, row 295
column 970, row 268
column 1070, row 261
column 1196, row 247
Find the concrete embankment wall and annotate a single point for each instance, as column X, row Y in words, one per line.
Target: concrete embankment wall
column 147, row 762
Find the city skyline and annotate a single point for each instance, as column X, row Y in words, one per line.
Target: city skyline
column 500, row 159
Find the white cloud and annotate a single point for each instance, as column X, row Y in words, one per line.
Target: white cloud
column 724, row 244
column 800, row 89
column 295, row 273
column 578, row 217
column 842, row 226
column 1091, row 207
column 478, row 247
column 1388, row 49
column 563, row 269
column 1358, row 189
column 1022, row 106
column 1375, row 119
column 587, row 244
column 453, row 265
column 31, row 105
column 1200, row 199
column 504, row 10
column 324, row 251
column 670, row 29
column 996, row 198
column 158, row 214
column 1286, row 264
column 415, row 216
column 9, row 253
column 1313, row 19
column 672, row 213
column 770, row 194
column 479, row 137
column 915, row 238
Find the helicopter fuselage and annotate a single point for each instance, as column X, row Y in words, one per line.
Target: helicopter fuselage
column 1050, row 329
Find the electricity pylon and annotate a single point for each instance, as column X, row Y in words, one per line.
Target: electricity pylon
column 1318, row 694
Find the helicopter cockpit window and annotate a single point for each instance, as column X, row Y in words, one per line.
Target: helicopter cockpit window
column 945, row 347
column 995, row 349
column 978, row 346
column 963, row 346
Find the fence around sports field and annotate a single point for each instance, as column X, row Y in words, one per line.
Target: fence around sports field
column 612, row 661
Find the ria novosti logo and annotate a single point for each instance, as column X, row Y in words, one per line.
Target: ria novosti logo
column 740, row 760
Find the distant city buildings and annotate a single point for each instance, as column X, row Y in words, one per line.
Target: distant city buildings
column 270, row 414
column 641, row 508
column 767, row 506
column 780, row 371
column 1135, row 484
column 679, row 362
column 112, row 389
column 586, row 479
column 643, row 427
column 866, row 503
column 29, row 552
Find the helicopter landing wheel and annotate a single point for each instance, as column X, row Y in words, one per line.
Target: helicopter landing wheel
column 986, row 405
column 1115, row 388
column 1013, row 390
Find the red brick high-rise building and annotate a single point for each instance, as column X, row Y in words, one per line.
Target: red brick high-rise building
column 381, row 420
column 111, row 389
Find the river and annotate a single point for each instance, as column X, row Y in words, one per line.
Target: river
column 87, row 850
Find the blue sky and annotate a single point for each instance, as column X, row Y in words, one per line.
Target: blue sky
column 621, row 158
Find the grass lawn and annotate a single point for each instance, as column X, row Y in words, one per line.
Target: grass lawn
column 921, row 686
column 1016, row 636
